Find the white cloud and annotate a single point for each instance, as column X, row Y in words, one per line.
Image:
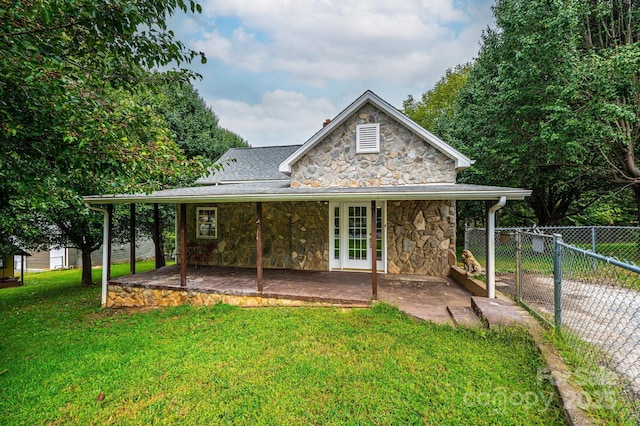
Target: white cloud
column 316, row 41
column 284, row 49
column 281, row 117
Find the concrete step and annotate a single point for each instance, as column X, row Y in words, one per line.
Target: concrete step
column 499, row 312
column 465, row 316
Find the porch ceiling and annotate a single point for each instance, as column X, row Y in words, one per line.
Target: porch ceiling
column 281, row 191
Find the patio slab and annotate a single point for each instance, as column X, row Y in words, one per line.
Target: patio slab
column 423, row 297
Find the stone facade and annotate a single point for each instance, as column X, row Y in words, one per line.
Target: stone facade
column 294, row 234
column 421, row 237
column 134, row 297
column 404, row 158
column 310, row 236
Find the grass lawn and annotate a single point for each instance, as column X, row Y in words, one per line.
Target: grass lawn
column 191, row 365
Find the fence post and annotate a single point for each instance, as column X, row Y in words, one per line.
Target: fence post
column 518, row 236
column 593, row 245
column 557, row 279
column 466, row 235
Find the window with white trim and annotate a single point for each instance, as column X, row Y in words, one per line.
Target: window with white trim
column 368, row 138
column 207, row 222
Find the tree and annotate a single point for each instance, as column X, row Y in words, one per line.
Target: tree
column 194, row 123
column 65, row 131
column 195, row 129
column 514, row 118
column 606, row 88
column 133, row 152
column 436, row 107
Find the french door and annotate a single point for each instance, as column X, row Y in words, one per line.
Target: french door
column 351, row 226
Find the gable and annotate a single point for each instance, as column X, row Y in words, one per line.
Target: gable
column 461, row 161
column 403, row 157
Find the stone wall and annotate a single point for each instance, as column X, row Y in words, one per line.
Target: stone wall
column 421, row 237
column 295, row 236
column 310, row 236
column 404, row 158
column 129, row 297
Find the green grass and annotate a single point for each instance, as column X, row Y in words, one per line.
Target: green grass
column 59, row 351
column 603, row 400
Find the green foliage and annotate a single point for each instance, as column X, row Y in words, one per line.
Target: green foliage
column 222, row 364
column 68, row 125
column 194, row 128
column 435, row 108
column 194, row 124
column 607, row 84
column 551, row 104
column 513, row 117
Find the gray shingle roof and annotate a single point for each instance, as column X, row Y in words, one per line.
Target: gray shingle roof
column 281, row 191
column 251, row 164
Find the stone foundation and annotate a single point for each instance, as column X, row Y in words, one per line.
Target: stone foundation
column 119, row 296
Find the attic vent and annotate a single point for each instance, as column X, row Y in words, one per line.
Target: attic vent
column 367, row 138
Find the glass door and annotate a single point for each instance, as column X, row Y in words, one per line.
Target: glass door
column 357, row 244
column 350, row 235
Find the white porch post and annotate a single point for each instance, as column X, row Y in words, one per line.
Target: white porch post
column 491, row 247
column 105, row 257
column 105, row 251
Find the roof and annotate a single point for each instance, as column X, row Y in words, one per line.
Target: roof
column 281, row 191
column 13, row 250
column 250, row 165
column 461, row 161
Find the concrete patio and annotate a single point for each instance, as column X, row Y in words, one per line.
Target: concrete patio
column 423, row 297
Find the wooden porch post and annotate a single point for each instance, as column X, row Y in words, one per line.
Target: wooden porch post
column 110, row 237
column 374, row 251
column 132, row 239
column 22, row 258
column 184, row 255
column 159, row 256
column 259, row 246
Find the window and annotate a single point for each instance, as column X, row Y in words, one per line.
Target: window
column 1, row 262
column 367, row 138
column 207, row 222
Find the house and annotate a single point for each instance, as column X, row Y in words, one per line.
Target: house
column 8, row 256
column 69, row 257
column 369, row 172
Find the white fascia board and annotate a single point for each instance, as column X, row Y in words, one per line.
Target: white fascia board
column 515, row 194
column 285, row 166
column 461, row 161
column 231, row 182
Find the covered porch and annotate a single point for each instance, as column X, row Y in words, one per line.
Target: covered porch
column 429, row 298
column 270, row 193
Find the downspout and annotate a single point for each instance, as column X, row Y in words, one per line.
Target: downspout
column 105, row 252
column 491, row 247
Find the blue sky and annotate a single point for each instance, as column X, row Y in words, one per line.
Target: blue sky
column 277, row 69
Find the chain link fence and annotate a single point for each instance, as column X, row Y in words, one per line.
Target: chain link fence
column 594, row 302
column 621, row 242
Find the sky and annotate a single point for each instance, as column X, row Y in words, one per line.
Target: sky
column 276, row 69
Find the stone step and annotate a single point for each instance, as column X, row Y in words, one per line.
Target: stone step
column 465, row 316
column 499, row 312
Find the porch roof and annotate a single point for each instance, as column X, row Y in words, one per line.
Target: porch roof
column 281, row 191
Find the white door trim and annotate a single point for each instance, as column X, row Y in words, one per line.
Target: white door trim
column 342, row 262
